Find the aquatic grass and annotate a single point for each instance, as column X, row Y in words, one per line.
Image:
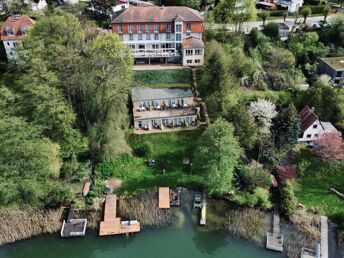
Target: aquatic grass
column 247, row 223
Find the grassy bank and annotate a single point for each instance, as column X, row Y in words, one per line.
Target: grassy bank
column 314, row 182
column 167, row 150
column 180, row 78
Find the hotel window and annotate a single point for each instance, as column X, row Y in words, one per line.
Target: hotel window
column 189, row 120
column 147, row 27
column 139, row 27
column 177, row 121
column 178, row 28
column 155, row 103
column 189, row 52
column 154, row 123
column 178, row 37
column 172, row 102
column 184, row 102
column 198, row 52
column 156, row 27
column 155, row 46
column 189, row 61
column 197, row 61
column 148, row 37
column 119, row 28
column 188, row 27
column 168, row 27
column 130, row 28
column 139, row 36
column 131, row 37
column 339, row 74
column 168, row 35
column 143, row 104
column 165, row 121
column 156, row 36
column 132, row 46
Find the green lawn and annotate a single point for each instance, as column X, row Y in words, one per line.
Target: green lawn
column 168, row 150
column 312, row 187
column 176, row 78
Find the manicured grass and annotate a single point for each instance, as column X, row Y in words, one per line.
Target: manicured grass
column 312, row 186
column 163, row 78
column 168, row 150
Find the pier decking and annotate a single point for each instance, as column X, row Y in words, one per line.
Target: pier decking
column 164, row 198
column 274, row 239
column 113, row 225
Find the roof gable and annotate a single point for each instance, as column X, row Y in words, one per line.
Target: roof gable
column 17, row 26
column 307, row 118
column 146, row 14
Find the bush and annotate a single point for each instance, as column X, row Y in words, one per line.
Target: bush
column 259, row 197
column 271, row 30
column 144, row 150
column 315, row 9
column 252, row 178
column 288, row 199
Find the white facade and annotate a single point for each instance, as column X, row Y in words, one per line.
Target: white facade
column 292, row 5
column 10, row 49
column 315, row 130
column 120, row 7
column 193, row 57
column 36, row 6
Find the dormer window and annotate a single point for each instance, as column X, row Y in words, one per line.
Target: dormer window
column 130, row 28
column 168, row 27
column 188, row 27
column 9, row 31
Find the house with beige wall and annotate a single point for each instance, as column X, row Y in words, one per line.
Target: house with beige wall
column 156, row 110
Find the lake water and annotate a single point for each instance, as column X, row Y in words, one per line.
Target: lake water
column 185, row 239
column 160, row 243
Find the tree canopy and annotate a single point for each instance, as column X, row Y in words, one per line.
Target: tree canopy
column 217, row 156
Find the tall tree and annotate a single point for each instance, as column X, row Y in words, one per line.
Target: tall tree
column 106, row 73
column 217, row 156
column 305, row 12
column 236, row 11
column 263, row 111
column 326, row 11
column 263, row 15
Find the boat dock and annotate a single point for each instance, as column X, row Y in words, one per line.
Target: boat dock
column 201, row 203
column 73, row 227
column 112, row 225
column 322, row 248
column 168, row 197
column 274, row 239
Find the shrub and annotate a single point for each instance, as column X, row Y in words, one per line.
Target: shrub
column 260, row 197
column 252, row 178
column 144, row 150
column 288, row 199
column 271, row 30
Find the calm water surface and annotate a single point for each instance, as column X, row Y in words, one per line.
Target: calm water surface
column 185, row 239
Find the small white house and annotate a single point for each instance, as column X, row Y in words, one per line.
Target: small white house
column 36, row 5
column 311, row 126
column 284, row 28
column 292, row 5
column 12, row 33
column 120, row 5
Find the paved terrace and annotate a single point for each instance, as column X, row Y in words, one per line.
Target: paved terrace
column 166, row 113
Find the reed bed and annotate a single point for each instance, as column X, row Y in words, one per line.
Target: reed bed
column 247, row 223
column 144, row 208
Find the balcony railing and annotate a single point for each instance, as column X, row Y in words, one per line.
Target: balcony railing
column 166, row 52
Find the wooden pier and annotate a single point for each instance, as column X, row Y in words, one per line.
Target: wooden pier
column 274, row 239
column 324, row 237
column 113, row 225
column 168, row 197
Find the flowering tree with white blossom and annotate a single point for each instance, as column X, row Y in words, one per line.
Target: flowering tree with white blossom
column 263, row 111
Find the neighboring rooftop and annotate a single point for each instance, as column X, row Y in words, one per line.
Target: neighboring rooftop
column 145, row 93
column 188, row 111
column 335, row 62
column 192, row 42
column 144, row 14
column 15, row 27
column 283, row 26
column 307, row 118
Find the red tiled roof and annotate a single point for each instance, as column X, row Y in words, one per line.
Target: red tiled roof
column 192, row 42
column 157, row 14
column 16, row 24
column 307, row 117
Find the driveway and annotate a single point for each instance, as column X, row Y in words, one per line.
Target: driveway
column 248, row 26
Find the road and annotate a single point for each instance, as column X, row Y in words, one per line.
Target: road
column 248, row 26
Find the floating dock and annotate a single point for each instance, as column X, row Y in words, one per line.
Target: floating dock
column 113, row 225
column 274, row 239
column 203, row 219
column 164, row 198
